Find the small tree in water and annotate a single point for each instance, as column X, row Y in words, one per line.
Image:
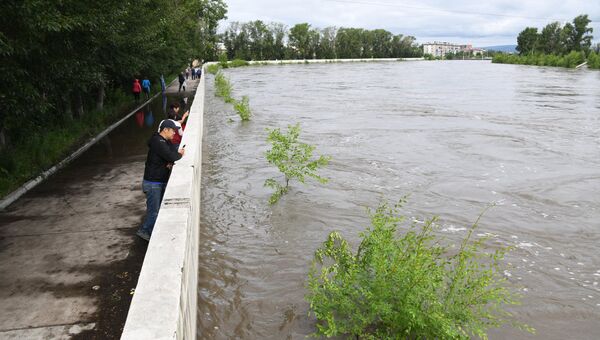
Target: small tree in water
column 407, row 286
column 293, row 159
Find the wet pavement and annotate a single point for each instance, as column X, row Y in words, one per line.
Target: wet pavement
column 69, row 257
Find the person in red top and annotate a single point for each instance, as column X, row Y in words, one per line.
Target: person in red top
column 137, row 89
column 173, row 114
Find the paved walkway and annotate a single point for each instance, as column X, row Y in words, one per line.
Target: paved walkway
column 68, row 255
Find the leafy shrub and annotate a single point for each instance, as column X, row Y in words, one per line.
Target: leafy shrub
column 213, row 68
column 573, row 59
column 238, row 63
column 593, row 60
column 243, row 108
column 223, row 88
column 407, row 286
column 223, row 60
column 570, row 60
column 293, row 158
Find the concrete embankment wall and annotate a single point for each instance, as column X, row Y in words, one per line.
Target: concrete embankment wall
column 326, row 61
column 165, row 301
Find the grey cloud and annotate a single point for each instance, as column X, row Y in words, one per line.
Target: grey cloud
column 463, row 21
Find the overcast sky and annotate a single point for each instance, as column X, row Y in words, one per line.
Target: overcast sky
column 481, row 23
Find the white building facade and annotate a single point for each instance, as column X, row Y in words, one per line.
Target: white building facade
column 440, row 49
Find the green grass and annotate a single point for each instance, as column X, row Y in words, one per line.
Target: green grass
column 43, row 149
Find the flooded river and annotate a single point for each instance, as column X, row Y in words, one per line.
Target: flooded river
column 455, row 136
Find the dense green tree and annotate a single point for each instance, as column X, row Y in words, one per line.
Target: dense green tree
column 527, row 40
column 349, row 42
column 302, row 41
column 581, row 36
column 550, row 38
column 278, row 31
column 58, row 58
column 326, row 49
column 382, row 43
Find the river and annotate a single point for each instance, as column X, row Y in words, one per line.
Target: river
column 456, row 136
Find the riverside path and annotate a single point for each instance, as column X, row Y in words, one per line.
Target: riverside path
column 69, row 257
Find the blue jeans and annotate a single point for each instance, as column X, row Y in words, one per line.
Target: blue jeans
column 154, row 195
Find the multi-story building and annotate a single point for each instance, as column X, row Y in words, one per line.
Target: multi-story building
column 440, row 49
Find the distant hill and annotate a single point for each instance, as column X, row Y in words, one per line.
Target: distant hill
column 502, row 48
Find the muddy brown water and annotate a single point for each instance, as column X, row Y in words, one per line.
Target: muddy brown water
column 456, row 136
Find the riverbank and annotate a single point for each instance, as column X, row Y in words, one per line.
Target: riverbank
column 570, row 60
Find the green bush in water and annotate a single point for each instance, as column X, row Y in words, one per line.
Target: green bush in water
column 407, row 285
column 293, row 159
column 243, row 108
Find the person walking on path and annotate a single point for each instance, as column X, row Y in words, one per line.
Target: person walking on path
column 136, row 89
column 159, row 162
column 146, row 87
column 181, row 81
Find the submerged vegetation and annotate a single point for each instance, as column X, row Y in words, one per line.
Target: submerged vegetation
column 294, row 160
column 243, row 108
column 407, row 286
column 223, row 87
column 570, row 60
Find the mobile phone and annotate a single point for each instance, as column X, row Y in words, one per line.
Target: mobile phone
column 183, row 147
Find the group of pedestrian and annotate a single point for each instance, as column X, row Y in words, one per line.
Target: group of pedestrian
column 138, row 88
column 163, row 152
column 196, row 73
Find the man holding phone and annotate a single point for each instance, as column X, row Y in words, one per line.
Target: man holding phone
column 159, row 162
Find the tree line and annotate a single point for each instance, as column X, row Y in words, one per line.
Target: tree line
column 60, row 59
column 557, row 39
column 67, row 68
column 257, row 40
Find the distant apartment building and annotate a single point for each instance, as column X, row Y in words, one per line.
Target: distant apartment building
column 440, row 49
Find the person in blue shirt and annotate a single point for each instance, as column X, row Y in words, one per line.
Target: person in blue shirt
column 146, row 87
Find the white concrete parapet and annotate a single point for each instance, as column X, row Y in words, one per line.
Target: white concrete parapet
column 165, row 301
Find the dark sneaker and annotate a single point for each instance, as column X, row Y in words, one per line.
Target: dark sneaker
column 143, row 235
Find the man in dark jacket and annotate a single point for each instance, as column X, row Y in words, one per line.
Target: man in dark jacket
column 161, row 156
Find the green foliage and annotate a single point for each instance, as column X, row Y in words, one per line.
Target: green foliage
column 407, row 286
column 238, row 63
column 594, row 60
column 293, row 158
column 213, row 68
column 570, row 60
column 223, row 87
column 43, row 149
column 555, row 39
column 223, row 60
column 60, row 59
column 527, row 41
column 243, row 108
column 256, row 40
